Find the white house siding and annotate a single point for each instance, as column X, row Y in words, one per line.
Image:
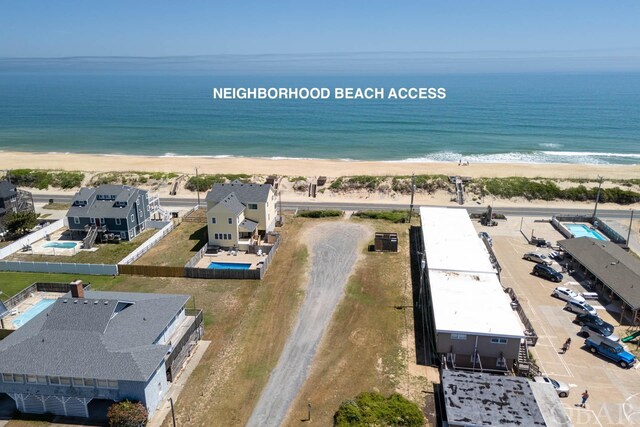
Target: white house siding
column 156, row 388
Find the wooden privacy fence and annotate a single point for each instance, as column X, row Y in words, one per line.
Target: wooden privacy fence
column 151, row 270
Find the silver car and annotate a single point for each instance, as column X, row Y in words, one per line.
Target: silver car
column 566, row 294
column 589, row 331
column 537, row 258
column 561, row 388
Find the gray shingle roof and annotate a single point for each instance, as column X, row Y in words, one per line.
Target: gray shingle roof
column 72, row 338
column 616, row 268
column 7, row 190
column 104, row 208
column 248, row 225
column 246, row 193
column 232, row 204
column 478, row 399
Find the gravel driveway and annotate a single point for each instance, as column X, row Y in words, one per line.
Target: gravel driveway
column 334, row 249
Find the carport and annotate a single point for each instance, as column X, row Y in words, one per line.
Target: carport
column 614, row 272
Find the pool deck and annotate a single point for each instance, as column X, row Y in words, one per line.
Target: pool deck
column 225, row 256
column 38, row 247
column 25, row 305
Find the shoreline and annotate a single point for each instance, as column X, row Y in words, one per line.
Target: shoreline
column 303, row 167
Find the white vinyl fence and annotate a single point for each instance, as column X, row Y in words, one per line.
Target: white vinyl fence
column 59, row 267
column 30, row 238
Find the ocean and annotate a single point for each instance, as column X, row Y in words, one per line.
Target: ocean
column 516, row 117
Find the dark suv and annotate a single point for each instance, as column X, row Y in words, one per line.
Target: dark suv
column 546, row 272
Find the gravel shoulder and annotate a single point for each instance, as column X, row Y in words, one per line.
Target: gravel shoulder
column 334, row 249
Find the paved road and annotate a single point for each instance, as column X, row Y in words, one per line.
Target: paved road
column 174, row 202
column 333, row 250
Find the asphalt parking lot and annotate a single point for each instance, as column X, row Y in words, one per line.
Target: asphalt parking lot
column 614, row 392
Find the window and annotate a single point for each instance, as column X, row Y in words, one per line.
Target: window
column 92, row 220
column 228, row 236
column 498, row 340
column 76, row 220
column 65, row 381
column 31, row 379
column 54, row 380
column 213, row 220
column 230, row 220
column 123, row 234
column 501, row 362
column 252, row 206
column 18, row 378
column 458, row 337
column 78, row 382
column 88, row 382
column 7, row 378
column 103, row 383
column 102, row 221
column 118, row 221
column 42, row 379
column 113, row 384
column 132, row 218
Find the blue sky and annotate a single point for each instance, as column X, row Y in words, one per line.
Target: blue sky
column 162, row 28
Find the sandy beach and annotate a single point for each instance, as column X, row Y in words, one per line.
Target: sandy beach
column 303, row 167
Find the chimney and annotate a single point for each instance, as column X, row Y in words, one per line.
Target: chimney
column 77, row 290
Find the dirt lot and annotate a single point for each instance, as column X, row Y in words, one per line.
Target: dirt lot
column 614, row 392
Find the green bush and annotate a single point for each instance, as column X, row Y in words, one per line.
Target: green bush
column 127, row 414
column 205, row 182
column 357, row 182
column 373, row 409
column 43, row 179
column 20, row 222
column 396, row 216
column 430, row 183
column 296, row 178
column 320, row 213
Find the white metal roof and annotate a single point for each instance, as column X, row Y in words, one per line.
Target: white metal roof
column 452, row 242
column 472, row 303
column 466, row 290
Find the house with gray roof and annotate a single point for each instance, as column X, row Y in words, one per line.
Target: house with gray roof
column 13, row 200
column 121, row 210
column 615, row 273
column 239, row 215
column 98, row 346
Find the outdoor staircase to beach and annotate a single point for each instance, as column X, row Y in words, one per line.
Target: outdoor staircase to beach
column 526, row 366
column 459, row 190
column 90, row 239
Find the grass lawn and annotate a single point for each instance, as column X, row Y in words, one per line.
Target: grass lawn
column 178, row 246
column 57, row 206
column 11, row 282
column 107, row 253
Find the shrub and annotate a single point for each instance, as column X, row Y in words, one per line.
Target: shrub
column 357, row 182
column 127, row 414
column 296, row 178
column 321, row 213
column 396, row 216
column 68, row 179
column 373, row 409
column 205, row 182
column 44, row 179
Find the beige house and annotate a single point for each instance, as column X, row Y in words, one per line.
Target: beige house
column 239, row 214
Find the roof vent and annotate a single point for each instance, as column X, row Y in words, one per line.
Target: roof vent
column 106, row 303
column 75, row 301
column 86, row 302
column 64, row 301
column 96, row 302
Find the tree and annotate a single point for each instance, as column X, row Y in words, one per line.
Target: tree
column 373, row 409
column 127, row 414
column 20, row 222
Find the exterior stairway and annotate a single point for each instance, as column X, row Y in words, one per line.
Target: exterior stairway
column 90, row 239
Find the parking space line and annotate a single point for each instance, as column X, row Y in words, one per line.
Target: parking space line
column 573, row 408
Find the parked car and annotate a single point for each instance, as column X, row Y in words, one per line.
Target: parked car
column 557, row 255
column 579, row 308
column 595, row 330
column 611, row 350
column 581, row 319
column 485, row 235
column 566, row 294
column 561, row 388
column 546, row 272
column 536, row 257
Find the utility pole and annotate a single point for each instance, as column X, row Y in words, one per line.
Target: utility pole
column 630, row 224
column 173, row 414
column 595, row 209
column 197, row 187
column 413, row 190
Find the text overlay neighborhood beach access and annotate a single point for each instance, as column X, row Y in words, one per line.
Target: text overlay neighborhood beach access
column 347, row 93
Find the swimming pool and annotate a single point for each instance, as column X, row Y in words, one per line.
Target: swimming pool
column 229, row 265
column 61, row 245
column 38, row 308
column 581, row 230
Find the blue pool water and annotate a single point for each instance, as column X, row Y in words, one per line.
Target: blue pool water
column 38, row 308
column 581, row 230
column 229, row 265
column 61, row 245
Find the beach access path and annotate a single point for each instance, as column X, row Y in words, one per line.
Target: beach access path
column 334, row 249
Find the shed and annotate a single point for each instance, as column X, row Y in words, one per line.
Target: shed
column 386, row 242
